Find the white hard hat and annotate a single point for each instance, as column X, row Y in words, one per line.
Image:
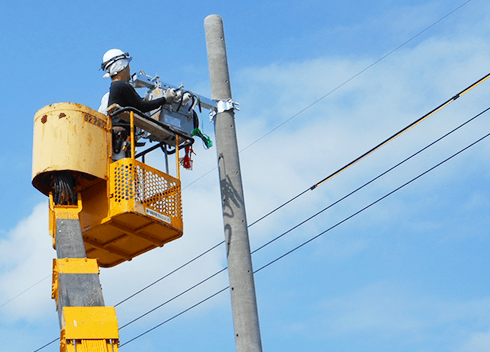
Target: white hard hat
column 114, row 61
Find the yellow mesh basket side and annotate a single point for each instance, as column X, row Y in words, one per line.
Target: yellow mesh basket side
column 134, row 184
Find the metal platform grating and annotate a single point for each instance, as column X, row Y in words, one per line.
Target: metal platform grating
column 156, row 191
column 123, row 176
column 148, row 186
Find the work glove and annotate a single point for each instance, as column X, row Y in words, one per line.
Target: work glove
column 170, row 95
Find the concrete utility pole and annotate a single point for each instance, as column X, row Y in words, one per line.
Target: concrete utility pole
column 243, row 300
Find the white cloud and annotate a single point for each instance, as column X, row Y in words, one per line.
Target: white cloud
column 26, row 258
column 386, row 310
column 477, row 342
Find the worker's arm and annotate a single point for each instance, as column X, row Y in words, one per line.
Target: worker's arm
column 123, row 94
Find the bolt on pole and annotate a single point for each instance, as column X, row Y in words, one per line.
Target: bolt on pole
column 242, row 286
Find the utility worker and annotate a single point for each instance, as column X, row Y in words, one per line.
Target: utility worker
column 116, row 64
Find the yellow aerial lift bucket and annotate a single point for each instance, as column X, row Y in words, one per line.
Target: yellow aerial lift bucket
column 127, row 206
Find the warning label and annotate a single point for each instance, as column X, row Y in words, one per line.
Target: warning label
column 157, row 215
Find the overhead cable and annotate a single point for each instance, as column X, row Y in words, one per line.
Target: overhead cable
column 46, row 345
column 27, row 289
column 399, row 133
column 167, row 275
column 358, row 74
column 173, row 298
column 175, row 316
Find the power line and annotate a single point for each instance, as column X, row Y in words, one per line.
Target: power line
column 283, row 234
column 46, row 345
column 27, row 289
column 358, row 74
column 299, row 195
column 403, row 130
column 170, row 300
column 340, row 86
column 175, row 316
column 319, row 235
column 172, row 272
column 372, row 150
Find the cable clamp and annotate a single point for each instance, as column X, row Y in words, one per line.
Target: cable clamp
column 223, row 105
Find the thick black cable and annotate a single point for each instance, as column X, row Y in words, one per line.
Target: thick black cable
column 319, row 235
column 403, row 130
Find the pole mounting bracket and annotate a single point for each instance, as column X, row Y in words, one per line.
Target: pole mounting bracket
column 222, row 106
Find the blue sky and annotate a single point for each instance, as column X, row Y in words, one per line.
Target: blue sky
column 408, row 274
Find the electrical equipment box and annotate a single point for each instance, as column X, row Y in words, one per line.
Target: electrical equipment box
column 178, row 117
column 181, row 118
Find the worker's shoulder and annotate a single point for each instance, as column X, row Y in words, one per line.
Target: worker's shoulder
column 121, row 85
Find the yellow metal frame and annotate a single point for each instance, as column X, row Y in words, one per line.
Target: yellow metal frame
column 71, row 266
column 137, row 187
column 143, row 211
column 62, row 212
column 177, row 155
column 70, row 137
column 90, row 323
column 87, row 329
column 133, row 141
